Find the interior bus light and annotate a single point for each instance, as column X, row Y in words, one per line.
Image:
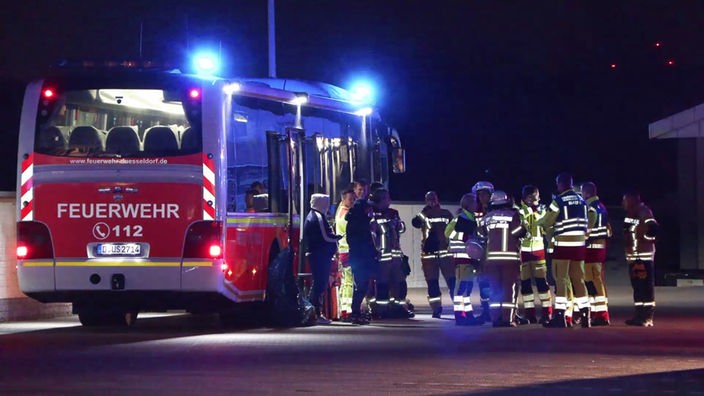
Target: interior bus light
column 48, row 93
column 194, row 93
column 22, row 252
column 215, row 251
column 224, row 267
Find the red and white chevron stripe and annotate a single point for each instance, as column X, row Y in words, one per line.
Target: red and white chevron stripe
column 27, row 189
column 208, row 188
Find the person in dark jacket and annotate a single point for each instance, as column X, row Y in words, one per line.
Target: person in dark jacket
column 321, row 245
column 364, row 257
column 435, row 258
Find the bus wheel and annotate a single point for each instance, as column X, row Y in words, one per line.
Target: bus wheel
column 91, row 318
column 105, row 317
column 128, row 318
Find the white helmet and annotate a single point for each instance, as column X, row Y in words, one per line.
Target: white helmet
column 499, row 198
column 474, row 249
column 483, row 185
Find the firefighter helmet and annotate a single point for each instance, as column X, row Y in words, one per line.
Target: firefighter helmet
column 499, row 198
column 475, row 251
column 483, row 185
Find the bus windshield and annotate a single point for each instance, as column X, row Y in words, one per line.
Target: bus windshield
column 118, row 123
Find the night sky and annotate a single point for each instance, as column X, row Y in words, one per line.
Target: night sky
column 512, row 92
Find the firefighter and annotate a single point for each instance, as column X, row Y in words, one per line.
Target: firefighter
column 640, row 229
column 599, row 230
column 343, row 255
column 483, row 191
column 363, row 257
column 502, row 229
column 321, row 245
column 390, row 275
column 467, row 251
column 533, row 266
column 566, row 223
column 432, row 221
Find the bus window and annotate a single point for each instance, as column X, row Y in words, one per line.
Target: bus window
column 118, row 123
column 247, row 156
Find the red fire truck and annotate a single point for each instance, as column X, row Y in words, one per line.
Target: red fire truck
column 135, row 185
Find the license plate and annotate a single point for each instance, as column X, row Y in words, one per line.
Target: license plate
column 119, row 249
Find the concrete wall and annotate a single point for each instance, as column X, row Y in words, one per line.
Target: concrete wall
column 13, row 304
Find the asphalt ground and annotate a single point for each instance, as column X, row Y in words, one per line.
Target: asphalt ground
column 180, row 354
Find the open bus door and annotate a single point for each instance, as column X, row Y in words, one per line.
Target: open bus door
column 286, row 273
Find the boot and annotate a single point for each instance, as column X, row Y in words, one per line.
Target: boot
column 437, row 312
column 399, row 311
column 485, row 316
column 545, row 315
column 648, row 312
column 557, row 321
column 380, row 310
column 600, row 318
column 637, row 319
column 460, row 318
column 530, row 316
column 471, row 320
column 585, row 319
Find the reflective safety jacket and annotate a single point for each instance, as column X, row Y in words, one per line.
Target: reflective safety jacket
column 461, row 229
column 390, row 228
column 341, row 228
column 566, row 220
column 599, row 229
column 502, row 229
column 532, row 217
column 640, row 229
column 432, row 222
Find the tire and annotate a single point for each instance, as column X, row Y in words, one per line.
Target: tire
column 102, row 317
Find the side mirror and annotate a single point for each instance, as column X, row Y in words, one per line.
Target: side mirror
column 398, row 158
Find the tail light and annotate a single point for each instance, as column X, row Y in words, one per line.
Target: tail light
column 204, row 240
column 215, row 251
column 48, row 93
column 33, row 241
column 22, row 252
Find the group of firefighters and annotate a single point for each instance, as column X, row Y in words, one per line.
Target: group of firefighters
column 492, row 241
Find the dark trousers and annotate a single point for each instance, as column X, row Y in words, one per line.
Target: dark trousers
column 364, row 266
column 643, row 281
column 502, row 276
column 320, row 267
column 361, row 285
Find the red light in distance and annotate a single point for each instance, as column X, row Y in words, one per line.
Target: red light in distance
column 658, row 44
column 194, row 93
column 613, row 65
column 670, row 62
column 48, row 93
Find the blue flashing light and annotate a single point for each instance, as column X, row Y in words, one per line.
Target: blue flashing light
column 206, row 64
column 362, row 92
